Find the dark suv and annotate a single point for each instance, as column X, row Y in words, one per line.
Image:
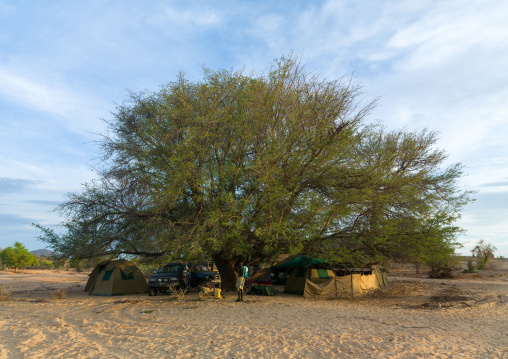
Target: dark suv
column 171, row 275
column 201, row 273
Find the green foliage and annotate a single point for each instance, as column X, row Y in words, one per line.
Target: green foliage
column 442, row 265
column 471, row 268
column 483, row 252
column 147, row 267
column 18, row 257
column 74, row 263
column 47, row 264
column 243, row 167
column 439, row 255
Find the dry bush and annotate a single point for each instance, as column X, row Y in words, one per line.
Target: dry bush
column 452, row 294
column 128, row 301
column 177, row 294
column 399, row 289
column 5, row 293
column 205, row 296
column 59, row 294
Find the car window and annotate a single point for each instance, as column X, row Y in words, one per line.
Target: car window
column 200, row 268
column 169, row 269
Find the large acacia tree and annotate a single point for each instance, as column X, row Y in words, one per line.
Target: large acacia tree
column 245, row 167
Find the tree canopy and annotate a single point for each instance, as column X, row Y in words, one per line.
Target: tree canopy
column 246, row 167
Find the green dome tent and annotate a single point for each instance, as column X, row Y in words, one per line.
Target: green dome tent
column 118, row 277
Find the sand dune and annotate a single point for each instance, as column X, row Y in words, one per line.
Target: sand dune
column 413, row 317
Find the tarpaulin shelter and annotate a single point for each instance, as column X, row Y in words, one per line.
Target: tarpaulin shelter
column 352, row 284
column 313, row 278
column 117, row 277
column 297, row 280
column 301, row 261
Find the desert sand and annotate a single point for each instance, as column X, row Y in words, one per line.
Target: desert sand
column 413, row 317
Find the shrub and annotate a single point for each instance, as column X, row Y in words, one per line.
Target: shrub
column 483, row 252
column 442, row 265
column 471, row 268
column 177, row 294
column 5, row 294
column 59, row 294
column 47, row 264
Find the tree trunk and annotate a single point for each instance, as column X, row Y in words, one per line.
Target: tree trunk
column 227, row 271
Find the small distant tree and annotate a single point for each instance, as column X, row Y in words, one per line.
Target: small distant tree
column 483, row 252
column 18, row 256
column 440, row 257
column 47, row 264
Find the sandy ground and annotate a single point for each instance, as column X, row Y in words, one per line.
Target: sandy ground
column 413, row 317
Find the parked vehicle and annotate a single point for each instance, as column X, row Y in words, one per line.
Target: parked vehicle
column 171, row 275
column 180, row 275
column 201, row 273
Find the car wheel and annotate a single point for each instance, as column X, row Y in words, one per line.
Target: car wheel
column 152, row 291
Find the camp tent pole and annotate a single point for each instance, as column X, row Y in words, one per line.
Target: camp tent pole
column 352, row 290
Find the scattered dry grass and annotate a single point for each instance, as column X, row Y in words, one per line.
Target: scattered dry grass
column 177, row 294
column 5, row 293
column 451, row 294
column 128, row 301
column 59, row 294
column 398, row 289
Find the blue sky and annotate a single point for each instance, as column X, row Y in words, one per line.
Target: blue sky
column 64, row 65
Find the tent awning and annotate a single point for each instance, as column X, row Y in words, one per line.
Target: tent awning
column 302, row 261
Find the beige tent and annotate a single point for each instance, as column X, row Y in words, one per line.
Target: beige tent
column 116, row 278
column 353, row 284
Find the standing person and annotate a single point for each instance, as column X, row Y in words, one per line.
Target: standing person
column 243, row 272
column 181, row 277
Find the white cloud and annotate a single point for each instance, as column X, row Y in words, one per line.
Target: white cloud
column 53, row 175
column 198, row 18
column 77, row 112
column 449, row 31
